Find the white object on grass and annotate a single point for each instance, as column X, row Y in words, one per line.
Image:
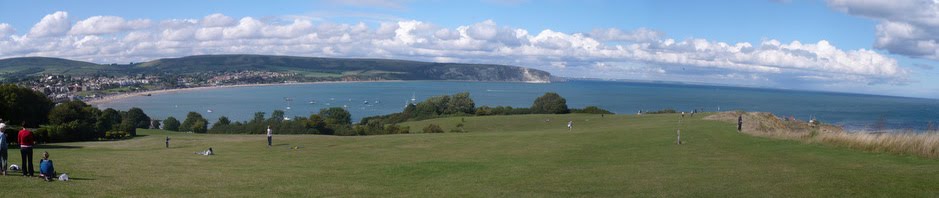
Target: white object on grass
column 63, row 177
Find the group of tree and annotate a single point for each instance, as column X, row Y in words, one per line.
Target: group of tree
column 338, row 121
column 330, row 121
column 68, row 121
column 77, row 121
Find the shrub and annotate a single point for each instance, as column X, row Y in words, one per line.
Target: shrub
column 432, row 128
column 663, row 111
column 591, row 110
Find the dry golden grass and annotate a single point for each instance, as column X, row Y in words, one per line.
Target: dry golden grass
column 768, row 125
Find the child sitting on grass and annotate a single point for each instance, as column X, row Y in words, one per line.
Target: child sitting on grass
column 46, row 169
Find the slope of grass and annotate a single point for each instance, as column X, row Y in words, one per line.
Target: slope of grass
column 505, row 156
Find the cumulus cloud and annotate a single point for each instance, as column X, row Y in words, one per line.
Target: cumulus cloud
column 55, row 24
column 6, row 30
column 107, row 25
column 611, row 53
column 907, row 27
column 638, row 35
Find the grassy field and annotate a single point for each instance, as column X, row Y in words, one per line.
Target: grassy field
column 503, row 156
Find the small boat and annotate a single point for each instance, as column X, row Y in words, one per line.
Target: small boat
column 286, row 119
column 210, row 111
column 376, row 102
column 288, row 108
column 345, row 106
column 366, row 102
column 312, row 102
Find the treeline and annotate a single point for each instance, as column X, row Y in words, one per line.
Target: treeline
column 69, row 121
column 331, row 121
column 338, row 121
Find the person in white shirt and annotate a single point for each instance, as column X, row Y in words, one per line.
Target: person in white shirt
column 270, row 134
column 570, row 125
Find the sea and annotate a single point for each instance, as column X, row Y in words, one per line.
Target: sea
column 855, row 112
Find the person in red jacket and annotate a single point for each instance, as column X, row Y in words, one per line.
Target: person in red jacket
column 26, row 141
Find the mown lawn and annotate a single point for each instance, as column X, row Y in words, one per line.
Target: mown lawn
column 503, row 156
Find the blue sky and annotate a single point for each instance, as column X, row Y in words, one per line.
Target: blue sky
column 836, row 45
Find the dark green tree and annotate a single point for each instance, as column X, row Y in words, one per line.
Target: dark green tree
column 138, row 117
column 550, row 103
column 336, row 116
column 20, row 104
column 108, row 120
column 77, row 119
column 129, row 126
column 460, row 103
column 191, row 120
column 200, row 126
column 222, row 121
column 171, row 124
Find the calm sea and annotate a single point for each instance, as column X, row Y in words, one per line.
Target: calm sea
column 239, row 103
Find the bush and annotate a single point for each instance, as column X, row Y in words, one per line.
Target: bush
column 115, row 135
column 591, row 110
column 663, row 111
column 171, row 124
column 432, row 128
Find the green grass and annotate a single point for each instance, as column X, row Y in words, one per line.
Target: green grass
column 503, row 156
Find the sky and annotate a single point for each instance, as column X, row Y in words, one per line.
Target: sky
column 886, row 47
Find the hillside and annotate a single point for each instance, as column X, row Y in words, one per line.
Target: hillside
column 498, row 156
column 310, row 67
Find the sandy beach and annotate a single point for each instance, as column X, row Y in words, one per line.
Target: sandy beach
column 112, row 98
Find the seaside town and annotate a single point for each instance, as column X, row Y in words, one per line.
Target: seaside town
column 61, row 88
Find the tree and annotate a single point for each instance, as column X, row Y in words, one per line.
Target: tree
column 171, row 124
column 138, row 117
column 128, row 125
column 19, row 104
column 277, row 116
column 460, row 103
column 200, row 126
column 108, row 120
column 77, row 119
column 191, row 120
column 550, row 103
column 222, row 121
column 336, row 116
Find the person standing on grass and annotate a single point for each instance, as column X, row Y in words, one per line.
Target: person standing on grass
column 739, row 122
column 26, row 141
column 270, row 134
column 570, row 125
column 3, row 149
column 167, row 141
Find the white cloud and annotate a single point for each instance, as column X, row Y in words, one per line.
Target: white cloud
column 610, row 53
column 6, row 30
column 907, row 27
column 217, row 20
column 55, row 24
column 638, row 35
column 107, row 25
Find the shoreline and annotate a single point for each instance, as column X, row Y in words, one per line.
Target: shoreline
column 122, row 96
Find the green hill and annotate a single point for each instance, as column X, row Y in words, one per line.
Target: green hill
column 499, row 156
column 313, row 67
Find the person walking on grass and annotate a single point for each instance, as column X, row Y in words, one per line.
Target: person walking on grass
column 25, row 138
column 270, row 134
column 570, row 125
column 167, row 141
column 740, row 123
column 3, row 149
